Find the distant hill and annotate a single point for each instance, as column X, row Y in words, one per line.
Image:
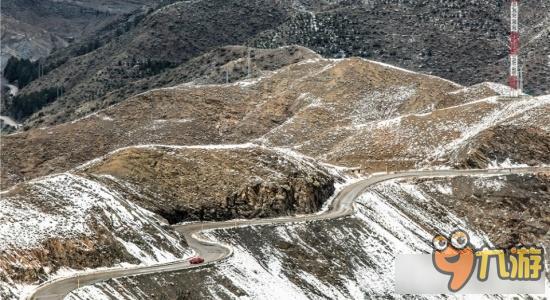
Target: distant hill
column 461, row 41
column 32, row 29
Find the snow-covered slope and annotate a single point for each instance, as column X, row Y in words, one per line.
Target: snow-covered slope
column 67, row 220
column 350, row 258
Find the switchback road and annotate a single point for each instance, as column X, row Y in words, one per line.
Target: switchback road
column 213, row 252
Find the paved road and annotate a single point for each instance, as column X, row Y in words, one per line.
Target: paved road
column 213, row 252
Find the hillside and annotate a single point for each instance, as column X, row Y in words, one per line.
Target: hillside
column 33, row 29
column 116, row 210
column 350, row 112
column 288, row 149
column 354, row 258
column 150, row 44
column 464, row 42
column 105, row 187
column 223, row 64
column 66, row 222
column 251, row 181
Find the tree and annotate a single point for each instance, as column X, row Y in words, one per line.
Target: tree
column 22, row 71
column 27, row 104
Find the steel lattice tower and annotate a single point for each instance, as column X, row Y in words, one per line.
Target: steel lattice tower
column 513, row 81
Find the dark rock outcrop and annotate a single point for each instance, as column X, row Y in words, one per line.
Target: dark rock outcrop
column 522, row 145
column 217, row 184
column 511, row 210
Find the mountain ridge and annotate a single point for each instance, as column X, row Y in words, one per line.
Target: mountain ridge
column 472, row 51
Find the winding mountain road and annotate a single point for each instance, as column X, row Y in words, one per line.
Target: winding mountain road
column 213, row 252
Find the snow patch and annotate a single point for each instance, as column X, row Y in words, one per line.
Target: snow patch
column 261, row 281
column 505, row 164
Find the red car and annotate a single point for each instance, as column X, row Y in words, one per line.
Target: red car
column 196, row 260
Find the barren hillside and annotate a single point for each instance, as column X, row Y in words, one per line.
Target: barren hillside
column 354, row 258
column 250, row 181
column 350, row 112
column 116, row 210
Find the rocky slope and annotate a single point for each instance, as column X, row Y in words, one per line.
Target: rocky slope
column 350, row 112
column 459, row 40
column 112, row 210
column 55, row 225
column 221, row 65
column 32, row 29
column 464, row 42
column 511, row 209
column 504, row 143
column 353, row 258
column 217, row 183
column 161, row 39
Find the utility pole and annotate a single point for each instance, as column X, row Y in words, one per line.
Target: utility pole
column 152, row 119
column 226, row 76
column 248, row 62
column 514, row 49
column 288, row 78
column 521, row 80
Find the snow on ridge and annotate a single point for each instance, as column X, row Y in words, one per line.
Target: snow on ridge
column 501, row 89
column 156, row 146
column 502, row 114
column 498, row 88
column 412, row 72
column 397, row 120
column 307, row 161
column 285, row 152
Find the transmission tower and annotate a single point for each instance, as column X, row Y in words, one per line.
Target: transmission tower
column 513, row 80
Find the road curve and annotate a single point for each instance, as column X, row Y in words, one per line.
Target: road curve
column 213, row 252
